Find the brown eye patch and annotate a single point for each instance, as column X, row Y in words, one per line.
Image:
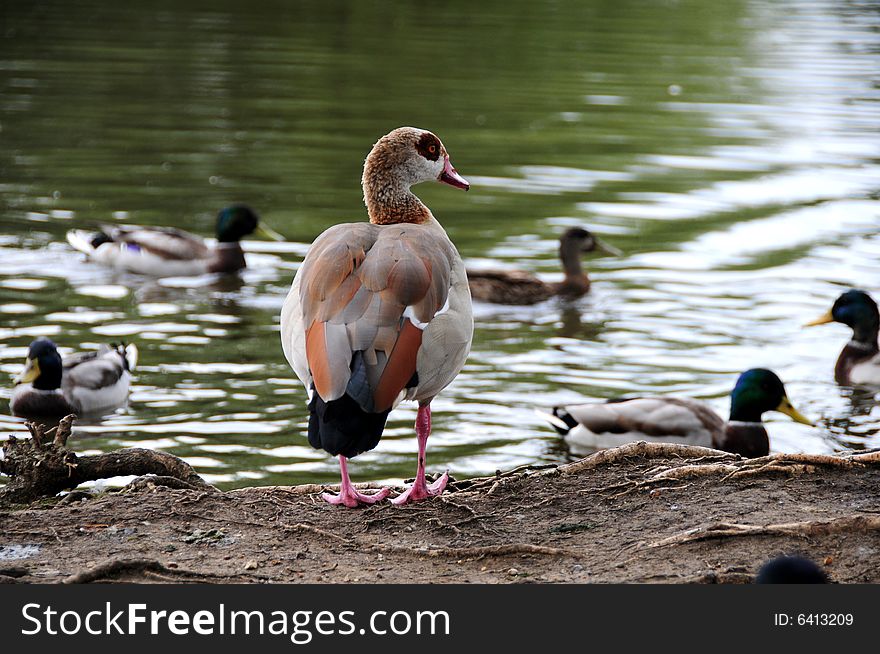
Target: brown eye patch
column 429, row 146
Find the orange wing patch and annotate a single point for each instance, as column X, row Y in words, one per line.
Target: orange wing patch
column 357, row 282
column 400, row 368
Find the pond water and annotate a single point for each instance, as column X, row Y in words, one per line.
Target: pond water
column 729, row 149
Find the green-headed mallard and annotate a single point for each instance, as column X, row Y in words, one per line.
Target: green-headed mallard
column 520, row 287
column 859, row 361
column 681, row 420
column 87, row 383
column 168, row 251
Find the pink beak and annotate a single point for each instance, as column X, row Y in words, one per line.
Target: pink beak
column 450, row 176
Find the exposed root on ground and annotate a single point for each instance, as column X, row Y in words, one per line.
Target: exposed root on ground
column 145, row 568
column 39, row 467
column 860, row 523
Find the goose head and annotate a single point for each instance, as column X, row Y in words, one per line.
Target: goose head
column 403, row 158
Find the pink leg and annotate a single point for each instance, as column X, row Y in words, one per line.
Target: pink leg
column 421, row 490
column 347, row 493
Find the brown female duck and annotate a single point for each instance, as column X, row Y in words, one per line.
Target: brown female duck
column 520, row 287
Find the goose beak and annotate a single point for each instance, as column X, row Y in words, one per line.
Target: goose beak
column 267, row 232
column 821, row 320
column 30, row 373
column 786, row 407
column 607, row 248
column 450, row 176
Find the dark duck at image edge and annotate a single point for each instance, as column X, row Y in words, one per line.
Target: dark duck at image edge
column 524, row 288
column 859, row 361
column 168, row 251
column 88, row 383
column 600, row 425
column 380, row 312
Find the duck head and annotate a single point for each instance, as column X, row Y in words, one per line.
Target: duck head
column 757, row 391
column 42, row 367
column 582, row 240
column 403, row 158
column 237, row 221
column 858, row 311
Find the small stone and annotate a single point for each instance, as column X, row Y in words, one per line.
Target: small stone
column 577, row 567
column 251, row 565
column 828, row 560
column 513, row 572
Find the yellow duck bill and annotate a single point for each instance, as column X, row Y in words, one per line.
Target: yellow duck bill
column 824, row 319
column 786, row 407
column 267, row 232
column 30, row 373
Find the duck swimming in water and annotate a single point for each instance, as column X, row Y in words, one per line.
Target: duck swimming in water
column 681, row 420
column 168, row 251
column 859, row 361
column 520, row 287
column 88, row 383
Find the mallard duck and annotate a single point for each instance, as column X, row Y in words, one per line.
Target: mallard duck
column 681, row 420
column 168, row 251
column 859, row 361
column 520, row 287
column 380, row 312
column 87, row 383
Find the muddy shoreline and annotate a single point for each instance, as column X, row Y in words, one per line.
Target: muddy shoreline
column 641, row 513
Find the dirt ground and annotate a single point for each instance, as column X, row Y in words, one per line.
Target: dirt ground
column 639, row 513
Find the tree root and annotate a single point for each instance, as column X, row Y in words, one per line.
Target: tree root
column 728, row 466
column 861, row 523
column 645, row 450
column 42, row 468
column 111, row 570
column 477, row 552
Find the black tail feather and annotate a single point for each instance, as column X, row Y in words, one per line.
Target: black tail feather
column 566, row 417
column 343, row 427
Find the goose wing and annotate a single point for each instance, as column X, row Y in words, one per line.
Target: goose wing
column 379, row 313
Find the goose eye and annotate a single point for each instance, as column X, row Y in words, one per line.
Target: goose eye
column 432, row 149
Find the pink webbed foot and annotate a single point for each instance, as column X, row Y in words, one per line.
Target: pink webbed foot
column 352, row 498
column 421, row 491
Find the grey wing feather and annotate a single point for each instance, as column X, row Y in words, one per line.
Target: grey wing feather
column 166, row 242
column 649, row 416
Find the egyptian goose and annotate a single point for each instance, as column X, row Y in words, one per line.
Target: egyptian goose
column 380, row 312
column 681, row 420
column 859, row 361
column 88, row 383
column 168, row 251
column 520, row 287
